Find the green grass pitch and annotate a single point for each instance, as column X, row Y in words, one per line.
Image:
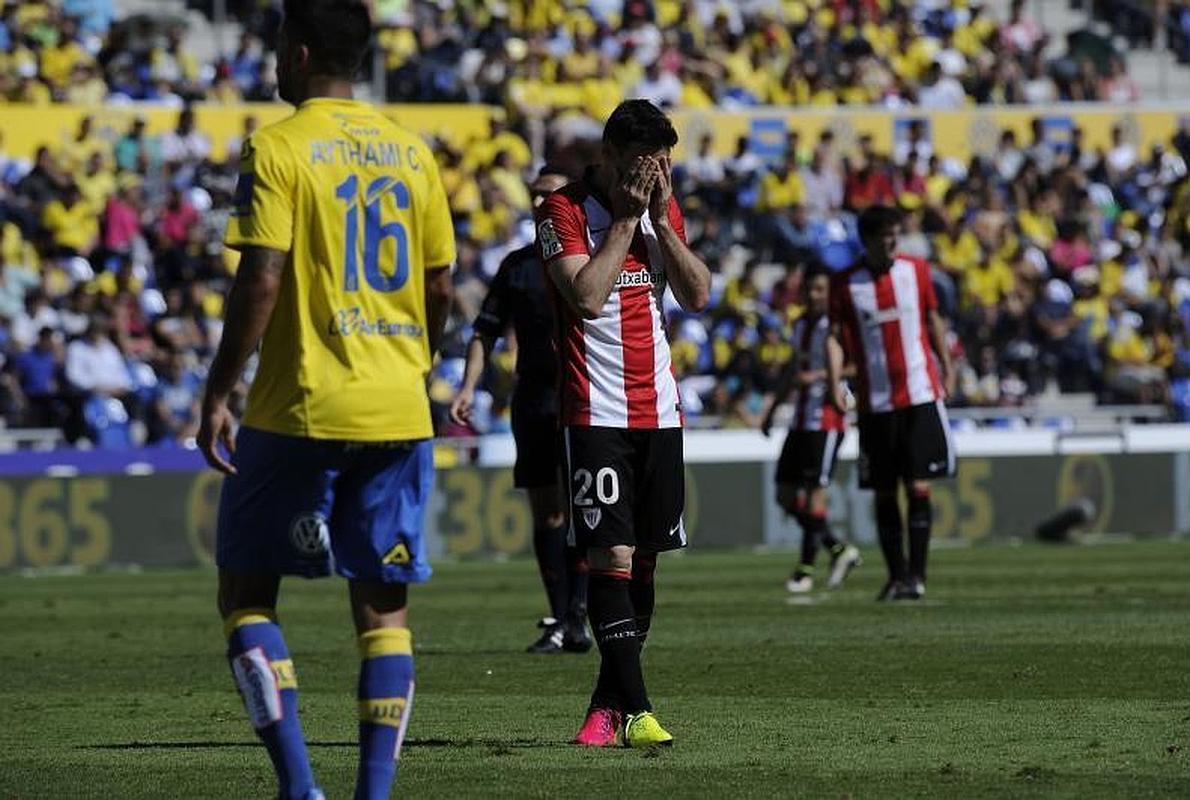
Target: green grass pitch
column 1029, row 672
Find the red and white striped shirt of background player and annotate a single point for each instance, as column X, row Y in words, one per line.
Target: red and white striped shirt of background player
column 615, row 369
column 812, row 407
column 885, row 326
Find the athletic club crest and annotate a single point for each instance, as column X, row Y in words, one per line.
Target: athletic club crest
column 591, row 516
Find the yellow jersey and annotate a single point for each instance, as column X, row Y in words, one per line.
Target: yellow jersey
column 357, row 203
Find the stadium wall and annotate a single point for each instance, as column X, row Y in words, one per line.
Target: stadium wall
column 955, row 134
column 71, row 509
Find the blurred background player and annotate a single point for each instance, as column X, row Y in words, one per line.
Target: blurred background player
column 517, row 295
column 885, row 320
column 346, row 238
column 611, row 243
column 807, row 461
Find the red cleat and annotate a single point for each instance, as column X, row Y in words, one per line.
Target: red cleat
column 599, row 729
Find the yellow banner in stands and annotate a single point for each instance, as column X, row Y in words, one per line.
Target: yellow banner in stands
column 25, row 128
column 954, row 134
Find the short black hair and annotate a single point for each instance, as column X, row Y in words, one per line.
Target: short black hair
column 552, row 168
column 639, row 123
column 338, row 33
column 873, row 220
column 815, row 267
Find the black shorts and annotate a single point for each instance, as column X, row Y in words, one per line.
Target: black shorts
column 626, row 487
column 908, row 444
column 808, row 458
column 535, row 430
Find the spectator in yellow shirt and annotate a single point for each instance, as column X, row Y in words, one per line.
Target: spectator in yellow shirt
column 782, row 189
column 72, row 224
column 59, row 60
column 957, row 249
column 987, row 284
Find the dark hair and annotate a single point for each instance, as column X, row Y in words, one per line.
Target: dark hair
column 639, row 122
column 874, row 220
column 338, row 33
column 815, row 268
column 552, row 168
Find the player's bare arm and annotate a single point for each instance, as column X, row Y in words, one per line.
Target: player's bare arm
column 585, row 282
column 938, row 331
column 479, row 349
column 687, row 275
column 249, row 307
column 440, row 293
column 834, row 368
column 781, row 392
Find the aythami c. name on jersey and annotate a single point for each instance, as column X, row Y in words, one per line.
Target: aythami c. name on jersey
column 812, row 409
column 885, row 322
column 358, row 204
column 616, row 369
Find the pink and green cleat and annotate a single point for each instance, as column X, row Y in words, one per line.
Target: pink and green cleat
column 599, row 729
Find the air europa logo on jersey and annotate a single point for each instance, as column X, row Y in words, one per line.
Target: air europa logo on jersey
column 352, row 322
column 651, row 277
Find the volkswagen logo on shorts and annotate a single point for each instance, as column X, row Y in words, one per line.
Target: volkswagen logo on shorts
column 310, row 536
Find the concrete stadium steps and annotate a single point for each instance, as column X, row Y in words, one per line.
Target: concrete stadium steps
column 1157, row 73
column 203, row 38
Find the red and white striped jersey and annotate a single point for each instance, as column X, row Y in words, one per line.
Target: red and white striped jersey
column 884, row 318
column 615, row 369
column 812, row 409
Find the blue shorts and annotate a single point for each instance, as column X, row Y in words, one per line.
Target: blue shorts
column 306, row 506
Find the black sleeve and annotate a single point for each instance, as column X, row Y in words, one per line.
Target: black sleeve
column 496, row 311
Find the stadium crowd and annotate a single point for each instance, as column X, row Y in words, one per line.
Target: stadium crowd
column 1058, row 265
column 541, row 56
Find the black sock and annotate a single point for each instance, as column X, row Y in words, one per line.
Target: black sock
column 549, row 545
column 826, row 538
column 888, row 526
column 810, row 532
column 613, row 621
column 921, row 517
column 577, row 569
column 642, row 592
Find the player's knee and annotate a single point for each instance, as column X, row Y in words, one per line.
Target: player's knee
column 617, row 557
column 919, row 490
column 376, row 605
column 644, row 565
column 816, row 503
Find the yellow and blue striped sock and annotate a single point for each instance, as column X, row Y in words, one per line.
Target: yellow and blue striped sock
column 385, row 700
column 268, row 684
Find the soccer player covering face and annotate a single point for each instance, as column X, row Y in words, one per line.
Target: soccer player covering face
column 518, row 296
column 807, row 460
column 346, row 240
column 884, row 318
column 611, row 243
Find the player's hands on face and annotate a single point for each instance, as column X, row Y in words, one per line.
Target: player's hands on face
column 217, row 428
column 662, row 192
column 462, row 406
column 631, row 196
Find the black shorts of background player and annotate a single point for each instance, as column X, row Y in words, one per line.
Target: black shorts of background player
column 517, row 298
column 807, row 461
